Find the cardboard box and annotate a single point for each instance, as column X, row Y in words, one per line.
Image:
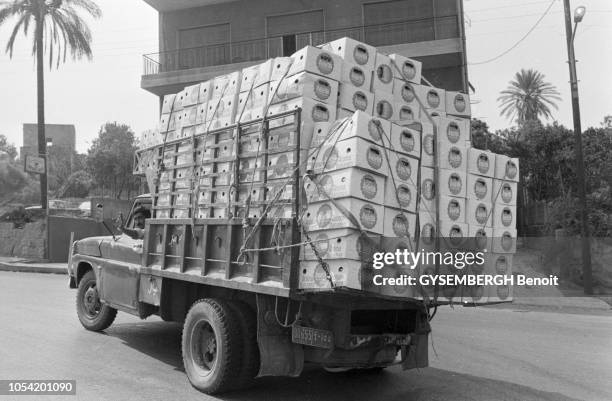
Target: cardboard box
column 256, row 75
column 453, row 234
column 428, row 145
column 384, row 105
column 428, row 191
column 479, row 213
column 504, row 240
column 401, row 196
column 326, row 216
column 357, row 76
column 399, row 223
column 404, row 169
column 354, row 99
column 405, row 139
column 191, row 95
column 252, row 104
column 504, row 192
column 324, row 131
column 498, row 263
column 350, row 182
column 382, row 79
column 168, row 103
column 504, row 216
column 481, row 237
column 399, row 289
column 452, row 209
column 281, row 165
column 201, row 114
column 427, row 227
column 227, row 85
column 343, row 113
column 405, row 113
column 353, row 152
column 341, row 244
column 481, row 162
column 500, row 293
column 506, row 168
column 280, row 68
column 304, row 84
column 406, row 68
column 164, row 123
column 433, row 99
column 391, row 244
column 452, row 183
column 452, row 130
column 361, row 125
column 405, row 92
column 205, row 91
column 316, row 61
column 458, row 104
column 345, row 273
column 353, row 52
column 452, row 157
column 222, row 111
column 189, row 117
column 479, row 188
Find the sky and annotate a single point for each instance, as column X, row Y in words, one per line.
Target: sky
column 90, row 93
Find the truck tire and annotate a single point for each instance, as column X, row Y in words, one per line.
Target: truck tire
column 93, row 314
column 211, row 346
column 249, row 367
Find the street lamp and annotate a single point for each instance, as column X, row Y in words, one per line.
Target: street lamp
column 580, row 178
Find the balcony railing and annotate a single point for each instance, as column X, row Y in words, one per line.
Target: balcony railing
column 416, row 30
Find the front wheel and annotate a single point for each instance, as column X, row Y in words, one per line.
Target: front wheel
column 212, row 346
column 93, row 314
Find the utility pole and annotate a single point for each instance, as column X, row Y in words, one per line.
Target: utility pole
column 587, row 275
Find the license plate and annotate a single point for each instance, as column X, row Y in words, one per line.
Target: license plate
column 312, row 337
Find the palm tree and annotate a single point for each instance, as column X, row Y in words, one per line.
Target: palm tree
column 58, row 29
column 528, row 97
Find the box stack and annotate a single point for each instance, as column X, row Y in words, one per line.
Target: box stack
column 387, row 163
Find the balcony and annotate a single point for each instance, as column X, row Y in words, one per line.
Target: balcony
column 383, row 35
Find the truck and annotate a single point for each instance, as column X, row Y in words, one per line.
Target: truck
column 232, row 281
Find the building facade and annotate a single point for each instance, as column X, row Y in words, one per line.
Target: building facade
column 58, row 135
column 200, row 39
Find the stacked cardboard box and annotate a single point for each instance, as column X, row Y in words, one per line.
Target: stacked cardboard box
column 387, row 162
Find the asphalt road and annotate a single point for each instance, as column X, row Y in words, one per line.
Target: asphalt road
column 482, row 354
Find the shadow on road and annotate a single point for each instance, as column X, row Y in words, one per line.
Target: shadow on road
column 161, row 340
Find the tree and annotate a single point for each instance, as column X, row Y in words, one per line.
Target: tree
column 528, row 97
column 58, row 28
column 110, row 159
column 7, row 147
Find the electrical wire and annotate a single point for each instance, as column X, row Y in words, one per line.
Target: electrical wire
column 514, row 46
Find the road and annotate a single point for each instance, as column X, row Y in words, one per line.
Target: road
column 482, row 354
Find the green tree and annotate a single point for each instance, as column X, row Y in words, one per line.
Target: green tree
column 7, row 147
column 528, row 97
column 58, row 29
column 110, row 159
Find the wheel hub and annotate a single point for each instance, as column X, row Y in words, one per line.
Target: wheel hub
column 91, row 301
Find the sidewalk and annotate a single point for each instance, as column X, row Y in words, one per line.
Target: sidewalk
column 28, row 266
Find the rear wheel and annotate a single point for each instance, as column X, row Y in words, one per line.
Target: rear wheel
column 250, row 349
column 211, row 346
column 93, row 314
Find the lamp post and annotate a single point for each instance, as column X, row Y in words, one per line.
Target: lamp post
column 580, row 178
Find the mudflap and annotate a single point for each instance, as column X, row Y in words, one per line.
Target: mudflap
column 416, row 354
column 278, row 355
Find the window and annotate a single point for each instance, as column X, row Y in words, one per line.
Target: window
column 203, row 46
column 289, row 32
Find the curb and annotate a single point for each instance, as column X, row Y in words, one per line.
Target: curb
column 31, row 268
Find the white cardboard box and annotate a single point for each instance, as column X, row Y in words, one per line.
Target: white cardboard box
column 304, row 84
column 352, row 98
column 357, row 76
column 506, row 168
column 427, row 227
column 353, row 51
column 226, row 85
column 316, row 61
column 384, row 105
column 191, row 95
column 341, row 244
column 222, row 111
column 280, row 68
column 504, row 216
column 352, row 152
column 405, row 113
column 205, row 91
column 452, row 209
column 428, row 144
column 433, row 99
column 453, row 130
column 405, row 139
column 404, row 169
column 399, row 223
column 428, row 191
column 350, row 182
column 256, row 75
column 504, row 192
column 453, row 234
column 405, row 92
column 361, row 124
column 326, row 216
column 344, row 273
column 479, row 213
column 453, row 183
column 382, row 79
column 482, row 236
column 400, row 196
column 452, row 157
column 481, row 162
column 406, row 68
column 252, row 104
column 458, row 104
column 504, row 240
column 168, row 103
column 480, row 188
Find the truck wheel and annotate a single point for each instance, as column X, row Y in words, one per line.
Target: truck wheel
column 249, row 366
column 211, row 346
column 93, row 314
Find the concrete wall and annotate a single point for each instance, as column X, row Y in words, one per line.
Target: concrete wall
column 60, row 228
column 27, row 242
